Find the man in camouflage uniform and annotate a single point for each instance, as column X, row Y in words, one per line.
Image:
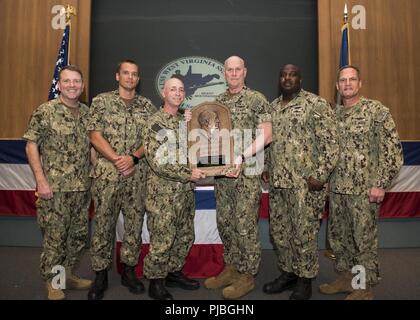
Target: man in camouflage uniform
column 370, row 158
column 116, row 119
column 303, row 153
column 57, row 135
column 237, row 200
column 170, row 199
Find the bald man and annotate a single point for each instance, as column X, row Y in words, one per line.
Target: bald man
column 170, row 199
column 238, row 197
column 303, row 153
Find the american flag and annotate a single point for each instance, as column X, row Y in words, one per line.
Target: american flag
column 62, row 61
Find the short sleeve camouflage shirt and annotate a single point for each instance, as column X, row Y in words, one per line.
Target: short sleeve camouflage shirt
column 120, row 125
column 63, row 145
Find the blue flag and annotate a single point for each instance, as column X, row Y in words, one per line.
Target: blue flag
column 62, row 61
column 345, row 46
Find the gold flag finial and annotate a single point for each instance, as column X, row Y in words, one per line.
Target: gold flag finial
column 346, row 14
column 70, row 11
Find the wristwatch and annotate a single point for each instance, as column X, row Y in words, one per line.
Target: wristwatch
column 135, row 159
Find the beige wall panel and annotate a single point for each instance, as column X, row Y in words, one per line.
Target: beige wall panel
column 387, row 52
column 29, row 48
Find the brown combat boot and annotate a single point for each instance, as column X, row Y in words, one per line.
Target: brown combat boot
column 54, row 294
column 341, row 285
column 329, row 254
column 361, row 294
column 244, row 285
column 76, row 283
column 228, row 276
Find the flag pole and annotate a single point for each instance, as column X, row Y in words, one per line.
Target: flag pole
column 346, row 13
column 346, row 22
column 69, row 11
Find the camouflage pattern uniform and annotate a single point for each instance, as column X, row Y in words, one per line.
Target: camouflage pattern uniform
column 65, row 151
column 370, row 156
column 170, row 200
column 237, row 200
column 121, row 126
column 304, row 145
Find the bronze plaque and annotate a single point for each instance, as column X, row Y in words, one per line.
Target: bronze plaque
column 210, row 145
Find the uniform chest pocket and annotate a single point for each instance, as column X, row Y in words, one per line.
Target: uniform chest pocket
column 139, row 119
column 115, row 122
column 359, row 133
column 83, row 127
column 62, row 128
column 63, row 134
column 280, row 123
column 296, row 117
column 242, row 119
column 359, row 126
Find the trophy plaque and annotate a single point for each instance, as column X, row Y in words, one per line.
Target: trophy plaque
column 210, row 145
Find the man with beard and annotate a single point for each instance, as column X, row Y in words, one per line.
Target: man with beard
column 303, row 153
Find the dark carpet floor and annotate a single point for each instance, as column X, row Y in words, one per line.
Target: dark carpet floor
column 20, row 279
